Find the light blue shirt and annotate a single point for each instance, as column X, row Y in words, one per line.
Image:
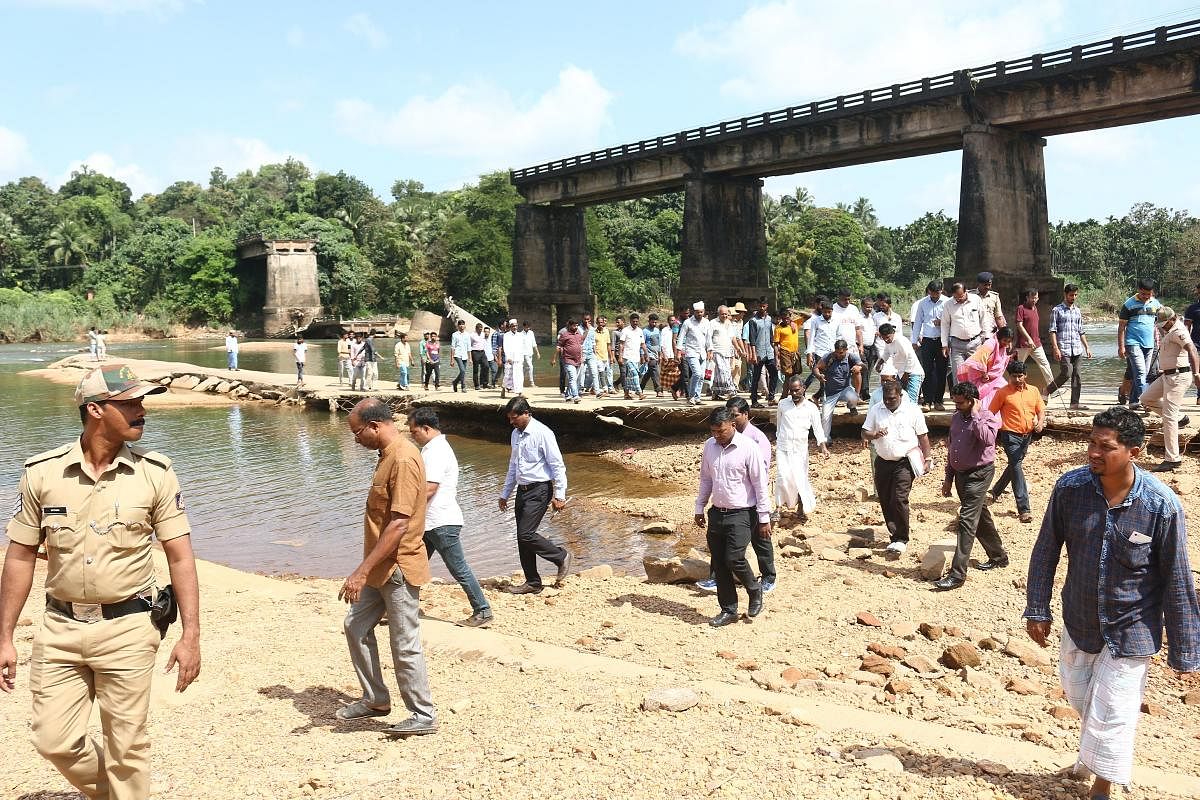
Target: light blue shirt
column 535, row 458
column 460, row 343
column 924, row 313
column 589, row 343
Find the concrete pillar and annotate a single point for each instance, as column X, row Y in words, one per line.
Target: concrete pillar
column 724, row 243
column 550, row 266
column 292, row 295
column 1003, row 224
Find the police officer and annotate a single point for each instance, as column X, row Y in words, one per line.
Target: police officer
column 94, row 504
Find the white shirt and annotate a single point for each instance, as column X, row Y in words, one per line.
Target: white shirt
column 902, row 356
column 231, row 344
column 891, row 317
column 514, row 346
column 664, row 342
column 965, row 320
column 822, row 336
column 530, row 342
column 848, row 320
column 535, row 458
column 631, row 343
column 695, row 338
column 793, row 421
column 903, row 427
column 300, row 350
column 722, row 335
column 441, row 467
column 460, row 345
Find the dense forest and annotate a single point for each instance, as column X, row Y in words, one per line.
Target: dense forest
column 168, row 258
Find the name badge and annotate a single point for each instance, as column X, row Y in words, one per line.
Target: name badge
column 54, row 510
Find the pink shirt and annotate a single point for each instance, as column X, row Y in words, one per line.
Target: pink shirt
column 734, row 477
column 759, row 438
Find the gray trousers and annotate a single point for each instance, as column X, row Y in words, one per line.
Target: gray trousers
column 402, row 604
column 974, row 519
column 960, row 351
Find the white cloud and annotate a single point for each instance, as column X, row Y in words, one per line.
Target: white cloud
column 14, row 154
column 156, row 7
column 294, row 36
column 363, row 27
column 484, row 123
column 132, row 174
column 196, row 155
column 788, row 52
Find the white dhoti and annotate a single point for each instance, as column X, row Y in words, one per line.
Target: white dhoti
column 722, row 380
column 792, row 486
column 1107, row 692
column 513, row 376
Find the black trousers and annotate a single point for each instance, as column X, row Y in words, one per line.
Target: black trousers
column 729, row 531
column 531, row 504
column 652, row 375
column 974, row 519
column 893, row 483
column 772, row 378
column 479, row 369
column 933, row 388
column 685, row 375
column 431, row 372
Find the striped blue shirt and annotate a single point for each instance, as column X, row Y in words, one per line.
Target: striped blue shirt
column 1127, row 569
column 1066, row 323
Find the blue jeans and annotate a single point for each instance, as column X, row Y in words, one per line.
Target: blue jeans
column 1139, row 364
column 696, row 377
column 1015, row 446
column 914, row 388
column 830, row 402
column 572, row 381
column 445, row 541
column 402, row 377
column 460, row 380
column 230, row 360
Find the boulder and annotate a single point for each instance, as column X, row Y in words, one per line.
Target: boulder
column 1153, row 709
column 793, row 675
column 869, row 678
column 831, row 554
column 937, row 558
column 877, row 664
column 976, row 679
column 223, row 387
column 674, row 569
column 899, row 686
column 185, row 382
column 238, row 392
column 598, row 572
column 659, row 527
column 670, row 699
column 795, row 551
column 963, row 654
column 207, row 385
column 1064, row 713
column 1024, row 686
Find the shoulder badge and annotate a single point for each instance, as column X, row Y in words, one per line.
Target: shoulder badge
column 57, row 452
column 152, row 456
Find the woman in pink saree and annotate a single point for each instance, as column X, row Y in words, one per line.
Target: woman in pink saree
column 985, row 367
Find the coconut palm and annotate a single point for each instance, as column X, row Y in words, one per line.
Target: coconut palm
column 69, row 243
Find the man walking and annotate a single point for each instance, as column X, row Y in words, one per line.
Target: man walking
column 896, row 349
column 570, row 353
column 993, row 313
column 460, row 348
column 1022, row 413
column 723, row 333
column 403, row 355
column 358, row 363
column 653, row 340
column 970, row 465
column 795, row 417
column 443, row 517
column 1137, row 336
column 733, row 477
column 97, row 504
column 927, row 338
column 840, row 374
column 231, row 351
column 632, row 355
column 1127, row 572
column 759, row 336
column 537, row 472
column 964, row 321
column 343, row 357
column 513, row 352
column 1067, row 343
column 371, row 370
column 479, row 362
column 1180, row 365
column 300, row 351
column 389, row 577
column 530, row 351
column 695, row 340
column 601, row 353
column 900, row 437
column 1028, row 340
column 822, row 337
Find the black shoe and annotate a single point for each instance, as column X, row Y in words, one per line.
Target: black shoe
column 525, row 588
column 756, row 602
column 1185, row 421
column 947, row 583
column 1167, row 466
column 992, row 564
column 413, row 726
column 723, row 619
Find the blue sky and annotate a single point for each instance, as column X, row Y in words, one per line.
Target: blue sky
column 154, row 91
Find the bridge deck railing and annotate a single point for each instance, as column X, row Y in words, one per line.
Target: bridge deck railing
column 950, row 83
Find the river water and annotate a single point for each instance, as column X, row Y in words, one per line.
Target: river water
column 281, row 490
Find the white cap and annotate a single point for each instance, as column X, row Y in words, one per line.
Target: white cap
column 889, row 369
column 698, row 305
column 512, row 322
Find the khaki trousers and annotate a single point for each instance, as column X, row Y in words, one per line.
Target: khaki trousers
column 1042, row 377
column 1165, row 396
column 75, row 664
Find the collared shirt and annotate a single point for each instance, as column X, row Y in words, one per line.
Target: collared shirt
column 653, row 339
column 1172, row 347
column 733, row 477
column 837, row 372
column 759, row 438
column 369, row 349
column 972, row 441
column 398, row 487
column 441, row 467
column 890, row 317
column 904, row 426
column 965, row 321
column 1127, row 569
column 497, row 340
column 925, row 315
column 758, row 334
column 358, row 353
column 478, row 342
column 822, row 336
column 530, row 342
column 1066, row 323
column 665, row 348
column 786, row 336
column 869, row 331
column 97, row 529
column 231, row 344
column 571, row 347
column 535, row 458
column 514, row 346
column 993, row 313
column 793, row 421
column 1139, row 320
column 632, row 341
column 722, row 335
column 602, row 342
column 403, row 354
column 848, row 320
column 902, row 356
column 1018, row 409
column 343, row 349
column 460, row 343
column 695, row 337
column 300, row 351
column 1030, row 320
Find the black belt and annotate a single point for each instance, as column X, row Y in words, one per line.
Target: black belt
column 94, row 612
column 731, row 510
column 1177, row 370
column 528, row 486
column 973, row 338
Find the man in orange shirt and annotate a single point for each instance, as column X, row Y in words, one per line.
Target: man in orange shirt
column 1022, row 413
column 393, row 568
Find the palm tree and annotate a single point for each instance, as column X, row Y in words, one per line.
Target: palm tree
column 69, row 244
column 797, row 202
column 864, row 212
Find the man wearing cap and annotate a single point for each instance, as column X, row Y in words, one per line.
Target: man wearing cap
column 740, row 349
column 1180, row 364
column 993, row 316
column 513, row 352
column 695, row 340
column 95, row 504
column 231, row 350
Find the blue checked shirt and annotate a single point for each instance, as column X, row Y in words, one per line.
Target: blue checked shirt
column 1067, row 324
column 1127, row 569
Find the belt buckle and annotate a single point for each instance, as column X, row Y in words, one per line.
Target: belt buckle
column 87, row 612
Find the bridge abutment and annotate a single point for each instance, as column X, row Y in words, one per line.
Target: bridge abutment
column 551, row 276
column 1003, row 223
column 723, row 243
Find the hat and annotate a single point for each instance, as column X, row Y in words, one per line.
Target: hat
column 983, row 277
column 1164, row 314
column 889, row 369
column 698, row 305
column 739, row 307
column 113, row 382
column 512, row 322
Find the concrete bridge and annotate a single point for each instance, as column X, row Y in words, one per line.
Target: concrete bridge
column 997, row 114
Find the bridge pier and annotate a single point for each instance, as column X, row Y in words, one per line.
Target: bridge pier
column 724, row 243
column 1003, row 223
column 551, row 277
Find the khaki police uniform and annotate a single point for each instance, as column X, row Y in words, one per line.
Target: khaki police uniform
column 97, row 533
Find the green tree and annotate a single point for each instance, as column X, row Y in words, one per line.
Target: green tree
column 69, row 244
column 205, row 281
column 925, row 248
column 790, row 254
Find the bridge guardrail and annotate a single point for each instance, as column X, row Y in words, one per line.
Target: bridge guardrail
column 923, row 88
